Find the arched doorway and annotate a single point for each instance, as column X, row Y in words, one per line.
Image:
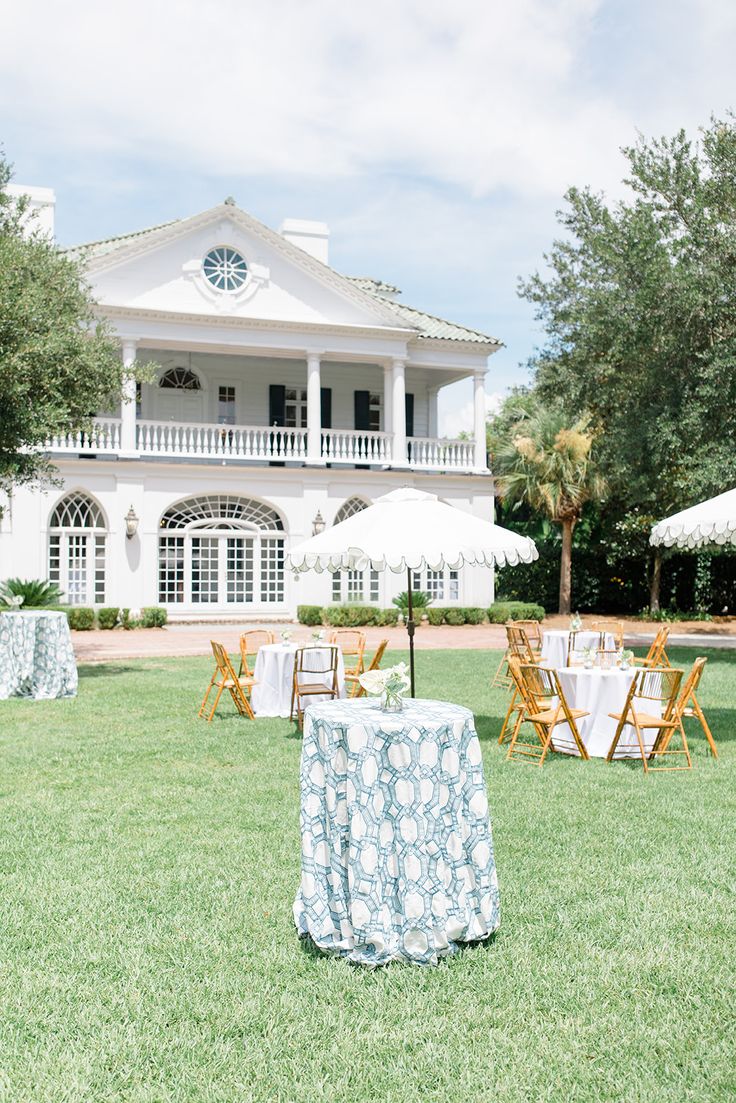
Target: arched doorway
column 77, row 540
column 221, row 550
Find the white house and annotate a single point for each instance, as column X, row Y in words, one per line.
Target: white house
column 285, row 394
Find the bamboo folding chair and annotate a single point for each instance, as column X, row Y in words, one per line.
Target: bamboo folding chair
column 546, row 709
column 520, row 649
column 533, row 630
column 250, row 642
column 225, row 678
column 572, row 649
column 311, row 661
column 656, row 655
column 375, row 663
column 651, row 706
column 688, row 706
column 352, row 645
column 517, row 702
column 613, row 628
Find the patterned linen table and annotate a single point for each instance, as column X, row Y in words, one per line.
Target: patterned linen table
column 397, row 853
column 36, row 656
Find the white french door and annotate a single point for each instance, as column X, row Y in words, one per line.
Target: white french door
column 223, row 569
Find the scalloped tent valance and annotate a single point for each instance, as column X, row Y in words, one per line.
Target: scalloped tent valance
column 711, row 522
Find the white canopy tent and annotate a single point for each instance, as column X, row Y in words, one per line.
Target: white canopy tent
column 409, row 530
column 711, row 522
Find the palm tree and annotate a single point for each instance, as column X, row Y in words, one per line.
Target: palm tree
column 546, row 463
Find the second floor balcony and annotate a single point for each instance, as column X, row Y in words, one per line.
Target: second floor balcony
column 339, row 415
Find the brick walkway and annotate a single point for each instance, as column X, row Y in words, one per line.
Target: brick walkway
column 194, row 639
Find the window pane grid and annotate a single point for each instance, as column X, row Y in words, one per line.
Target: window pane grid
column 272, row 569
column 171, row 569
column 355, row 585
column 205, row 569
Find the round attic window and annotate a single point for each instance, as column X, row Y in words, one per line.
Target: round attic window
column 225, row 268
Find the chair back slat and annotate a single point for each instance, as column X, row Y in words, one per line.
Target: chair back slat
column 613, row 628
column 316, row 660
column 250, row 643
column 518, row 642
column 533, row 631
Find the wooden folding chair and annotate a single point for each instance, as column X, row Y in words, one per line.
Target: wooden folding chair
column 651, row 706
column 688, row 706
column 656, row 655
column 312, row 662
column 533, row 630
column 520, row 649
column 574, row 653
column 613, row 628
column 356, row 689
column 352, row 645
column 224, row 677
column 517, row 703
column 502, row 678
column 546, row 708
column 250, row 642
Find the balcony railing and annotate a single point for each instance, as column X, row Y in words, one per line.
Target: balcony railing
column 103, row 437
column 436, row 454
column 190, row 440
column 241, row 442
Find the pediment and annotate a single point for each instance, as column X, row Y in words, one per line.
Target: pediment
column 162, row 270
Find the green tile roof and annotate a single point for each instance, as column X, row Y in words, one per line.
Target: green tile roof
column 110, row 244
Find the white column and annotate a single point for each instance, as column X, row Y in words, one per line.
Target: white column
column 128, row 445
column 398, row 412
column 479, row 432
column 432, row 393
column 388, row 395
column 314, row 409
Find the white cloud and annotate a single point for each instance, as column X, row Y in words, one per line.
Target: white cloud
column 481, row 93
column 455, row 419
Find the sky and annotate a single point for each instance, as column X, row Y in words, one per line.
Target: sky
column 436, row 139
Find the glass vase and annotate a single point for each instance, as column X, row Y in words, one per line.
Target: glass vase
column 391, row 701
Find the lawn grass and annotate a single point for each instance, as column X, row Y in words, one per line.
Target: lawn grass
column 147, row 953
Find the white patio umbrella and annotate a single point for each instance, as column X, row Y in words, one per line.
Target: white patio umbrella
column 409, row 530
column 711, row 522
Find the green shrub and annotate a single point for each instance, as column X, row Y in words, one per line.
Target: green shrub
column 108, row 617
column 474, row 615
column 128, row 621
column 386, row 618
column 80, row 618
column 310, row 614
column 454, row 616
column 350, row 616
column 36, row 594
column 153, row 616
column 501, row 611
column 436, row 616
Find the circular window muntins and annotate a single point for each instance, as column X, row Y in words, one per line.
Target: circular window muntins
column 225, row 268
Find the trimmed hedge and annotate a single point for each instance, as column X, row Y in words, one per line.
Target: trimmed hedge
column 501, row 611
column 387, row 618
column 309, row 614
column 80, row 618
column 108, row 617
column 455, row 614
column 153, row 616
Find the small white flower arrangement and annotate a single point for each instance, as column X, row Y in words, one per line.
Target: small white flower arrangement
column 627, row 658
column 286, row 635
column 390, row 685
column 318, row 635
column 14, row 601
column 589, row 656
column 575, row 623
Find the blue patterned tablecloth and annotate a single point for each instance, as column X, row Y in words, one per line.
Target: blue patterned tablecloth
column 36, row 656
column 397, row 852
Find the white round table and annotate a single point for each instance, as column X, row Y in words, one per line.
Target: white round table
column 36, row 655
column 600, row 692
column 554, row 645
column 397, row 853
column 274, row 673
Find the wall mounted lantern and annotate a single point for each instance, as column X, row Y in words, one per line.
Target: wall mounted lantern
column 131, row 523
column 318, row 524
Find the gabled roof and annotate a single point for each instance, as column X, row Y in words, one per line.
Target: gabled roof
column 430, row 325
column 365, row 288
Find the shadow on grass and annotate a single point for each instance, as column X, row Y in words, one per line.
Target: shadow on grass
column 103, row 670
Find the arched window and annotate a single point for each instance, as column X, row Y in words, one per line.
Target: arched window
column 180, row 379
column 348, row 508
column 349, row 586
column 221, row 549
column 77, row 539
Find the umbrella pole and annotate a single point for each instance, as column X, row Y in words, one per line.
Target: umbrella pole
column 410, row 629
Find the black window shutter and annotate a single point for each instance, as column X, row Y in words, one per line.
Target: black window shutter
column 326, row 406
column 276, row 404
column 276, row 413
column 409, row 404
column 362, row 408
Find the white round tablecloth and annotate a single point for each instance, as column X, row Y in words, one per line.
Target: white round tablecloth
column 554, row 645
column 397, row 853
column 600, row 692
column 36, row 655
column 274, row 673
